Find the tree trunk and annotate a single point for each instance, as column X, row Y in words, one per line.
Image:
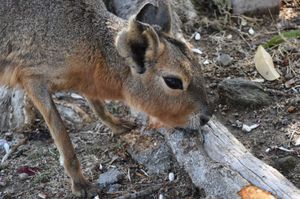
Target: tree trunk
column 256, row 6
column 183, row 11
column 11, row 108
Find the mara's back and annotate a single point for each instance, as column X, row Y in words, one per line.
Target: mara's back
column 48, row 31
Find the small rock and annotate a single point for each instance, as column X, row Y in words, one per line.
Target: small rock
column 42, row 195
column 248, row 129
column 206, row 62
column 5, row 145
column 243, row 92
column 229, row 36
column 171, row 176
column 196, row 50
column 114, row 188
column 23, row 176
column 290, row 83
column 286, row 164
column 292, row 109
column 268, row 150
column 110, row 177
column 197, row 36
column 224, row 59
column 251, row 31
column 239, row 124
column 151, row 152
column 243, row 22
column 236, row 115
column 161, row 196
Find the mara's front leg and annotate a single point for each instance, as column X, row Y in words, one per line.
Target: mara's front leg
column 41, row 98
column 117, row 125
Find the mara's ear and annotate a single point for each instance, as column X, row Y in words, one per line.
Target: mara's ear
column 138, row 44
column 159, row 15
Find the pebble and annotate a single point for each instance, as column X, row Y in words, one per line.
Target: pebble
column 229, row 36
column 171, row 176
column 243, row 22
column 114, row 188
column 206, row 62
column 241, row 92
column 110, row 177
column 239, row 124
column 290, row 83
column 198, row 51
column 251, row 31
column 100, row 167
column 161, row 196
column 197, row 36
column 42, row 195
column 248, row 129
column 23, row 176
column 224, row 59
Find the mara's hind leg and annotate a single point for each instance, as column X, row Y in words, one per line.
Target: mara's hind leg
column 37, row 91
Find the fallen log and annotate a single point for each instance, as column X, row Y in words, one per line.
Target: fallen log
column 222, row 166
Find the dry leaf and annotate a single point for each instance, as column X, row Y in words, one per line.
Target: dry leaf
column 253, row 192
column 264, row 64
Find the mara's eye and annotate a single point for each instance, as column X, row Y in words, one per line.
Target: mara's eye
column 173, row 82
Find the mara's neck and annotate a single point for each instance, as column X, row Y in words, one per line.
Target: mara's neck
column 112, row 70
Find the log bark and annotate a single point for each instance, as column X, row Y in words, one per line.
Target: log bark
column 223, row 166
column 243, row 6
column 11, row 108
column 255, row 6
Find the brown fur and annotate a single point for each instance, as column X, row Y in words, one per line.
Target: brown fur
column 77, row 48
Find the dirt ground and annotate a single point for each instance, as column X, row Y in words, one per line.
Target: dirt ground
column 98, row 151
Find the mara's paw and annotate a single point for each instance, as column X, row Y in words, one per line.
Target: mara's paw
column 85, row 190
column 123, row 126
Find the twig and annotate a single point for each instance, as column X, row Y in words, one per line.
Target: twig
column 14, row 149
column 241, row 35
column 143, row 193
column 278, row 93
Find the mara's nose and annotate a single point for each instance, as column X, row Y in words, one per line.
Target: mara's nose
column 204, row 119
column 206, row 115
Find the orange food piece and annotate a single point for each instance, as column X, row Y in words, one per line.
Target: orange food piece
column 253, row 192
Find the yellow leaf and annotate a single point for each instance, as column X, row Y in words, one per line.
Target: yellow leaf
column 264, row 64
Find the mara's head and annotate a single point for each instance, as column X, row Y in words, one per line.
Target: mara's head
column 166, row 80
